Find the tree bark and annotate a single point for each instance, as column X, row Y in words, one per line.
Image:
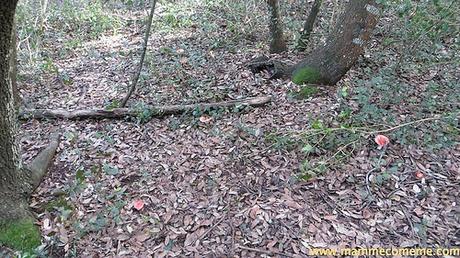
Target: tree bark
column 277, row 43
column 155, row 111
column 16, row 181
column 14, row 67
column 11, row 200
column 329, row 63
column 308, row 26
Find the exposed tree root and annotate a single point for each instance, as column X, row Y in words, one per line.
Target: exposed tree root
column 277, row 69
column 16, row 210
column 155, row 111
column 42, row 161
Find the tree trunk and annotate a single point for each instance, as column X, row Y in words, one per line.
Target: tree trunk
column 308, row 26
column 12, row 200
column 16, row 181
column 277, row 44
column 329, row 63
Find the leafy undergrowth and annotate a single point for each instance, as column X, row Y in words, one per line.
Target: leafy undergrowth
column 287, row 177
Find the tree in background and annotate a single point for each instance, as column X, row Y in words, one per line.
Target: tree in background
column 277, row 43
column 16, row 181
column 328, row 63
column 308, row 26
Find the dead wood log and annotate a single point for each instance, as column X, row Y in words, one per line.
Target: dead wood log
column 117, row 113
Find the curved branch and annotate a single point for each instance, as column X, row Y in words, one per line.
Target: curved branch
column 141, row 62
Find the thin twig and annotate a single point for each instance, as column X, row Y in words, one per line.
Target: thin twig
column 410, row 221
column 361, row 129
column 211, row 228
column 141, row 62
column 337, row 207
column 263, row 251
column 406, row 124
column 341, row 149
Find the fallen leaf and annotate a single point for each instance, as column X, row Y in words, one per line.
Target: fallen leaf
column 205, row 119
column 138, row 204
column 254, row 211
column 416, row 189
column 293, row 204
column 193, row 237
column 142, row 237
column 419, row 174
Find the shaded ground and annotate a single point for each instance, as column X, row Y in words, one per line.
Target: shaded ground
column 218, row 187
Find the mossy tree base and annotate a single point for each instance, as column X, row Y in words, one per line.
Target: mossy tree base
column 17, row 228
column 306, row 75
column 21, row 235
column 328, row 63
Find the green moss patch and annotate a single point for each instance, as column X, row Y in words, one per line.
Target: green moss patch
column 306, row 75
column 20, row 235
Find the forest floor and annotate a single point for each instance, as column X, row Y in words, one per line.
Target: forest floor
column 224, row 182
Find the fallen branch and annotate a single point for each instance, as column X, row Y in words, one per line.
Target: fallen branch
column 155, row 111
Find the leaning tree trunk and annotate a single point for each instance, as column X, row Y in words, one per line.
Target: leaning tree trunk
column 16, row 182
column 329, row 63
column 277, row 43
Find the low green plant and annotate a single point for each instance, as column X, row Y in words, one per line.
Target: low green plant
column 144, row 112
column 281, row 141
column 58, row 203
column 110, row 170
column 75, row 20
column 115, row 103
column 176, row 16
column 48, row 66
